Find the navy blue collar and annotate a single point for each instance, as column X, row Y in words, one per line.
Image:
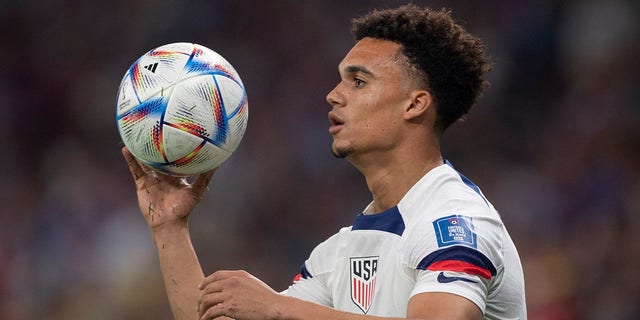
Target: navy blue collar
column 388, row 221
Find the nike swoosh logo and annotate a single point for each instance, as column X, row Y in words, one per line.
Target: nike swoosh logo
column 444, row 279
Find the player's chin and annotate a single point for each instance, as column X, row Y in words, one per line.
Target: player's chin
column 341, row 152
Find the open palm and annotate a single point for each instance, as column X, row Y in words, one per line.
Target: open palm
column 163, row 198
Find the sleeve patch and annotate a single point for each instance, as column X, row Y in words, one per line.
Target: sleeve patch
column 455, row 230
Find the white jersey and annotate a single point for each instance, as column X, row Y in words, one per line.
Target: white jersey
column 443, row 236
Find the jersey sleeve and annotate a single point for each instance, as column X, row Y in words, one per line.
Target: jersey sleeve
column 311, row 283
column 310, row 288
column 458, row 252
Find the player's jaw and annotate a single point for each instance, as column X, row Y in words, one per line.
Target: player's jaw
column 341, row 153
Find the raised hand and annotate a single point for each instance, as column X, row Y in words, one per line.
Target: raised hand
column 162, row 198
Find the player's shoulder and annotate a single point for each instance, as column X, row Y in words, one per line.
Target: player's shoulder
column 441, row 191
column 447, row 208
column 331, row 240
column 326, row 249
column 450, row 184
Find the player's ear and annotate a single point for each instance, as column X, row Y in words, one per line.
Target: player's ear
column 421, row 102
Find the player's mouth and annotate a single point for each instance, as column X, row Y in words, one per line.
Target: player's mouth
column 336, row 123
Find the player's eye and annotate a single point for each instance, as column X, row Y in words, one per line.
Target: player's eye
column 359, row 83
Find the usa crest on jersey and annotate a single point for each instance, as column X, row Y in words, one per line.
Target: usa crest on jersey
column 363, row 281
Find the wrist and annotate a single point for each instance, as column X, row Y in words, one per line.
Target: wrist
column 290, row 308
column 280, row 310
column 170, row 230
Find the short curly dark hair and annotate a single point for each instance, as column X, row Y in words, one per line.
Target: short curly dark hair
column 451, row 62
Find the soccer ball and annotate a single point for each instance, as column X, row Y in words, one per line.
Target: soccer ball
column 181, row 109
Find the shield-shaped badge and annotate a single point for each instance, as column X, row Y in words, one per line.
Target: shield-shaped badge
column 363, row 281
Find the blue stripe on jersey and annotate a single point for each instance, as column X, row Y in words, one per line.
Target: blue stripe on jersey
column 304, row 272
column 389, row 221
column 458, row 253
column 468, row 182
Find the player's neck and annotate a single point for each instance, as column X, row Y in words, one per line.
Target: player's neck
column 389, row 180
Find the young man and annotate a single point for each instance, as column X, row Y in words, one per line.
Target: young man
column 429, row 245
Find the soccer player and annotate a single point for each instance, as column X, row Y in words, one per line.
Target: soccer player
column 428, row 246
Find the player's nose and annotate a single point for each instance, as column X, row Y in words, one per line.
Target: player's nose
column 334, row 98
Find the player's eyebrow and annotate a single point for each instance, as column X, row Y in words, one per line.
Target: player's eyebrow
column 361, row 69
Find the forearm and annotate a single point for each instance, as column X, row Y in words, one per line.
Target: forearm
column 181, row 270
column 296, row 309
column 428, row 305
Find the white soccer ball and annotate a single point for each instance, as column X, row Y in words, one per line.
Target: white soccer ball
column 182, row 109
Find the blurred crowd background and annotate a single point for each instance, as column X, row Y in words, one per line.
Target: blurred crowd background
column 554, row 144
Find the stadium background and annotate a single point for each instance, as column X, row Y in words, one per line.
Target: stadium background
column 555, row 145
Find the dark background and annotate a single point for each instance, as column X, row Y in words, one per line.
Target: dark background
column 554, row 144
